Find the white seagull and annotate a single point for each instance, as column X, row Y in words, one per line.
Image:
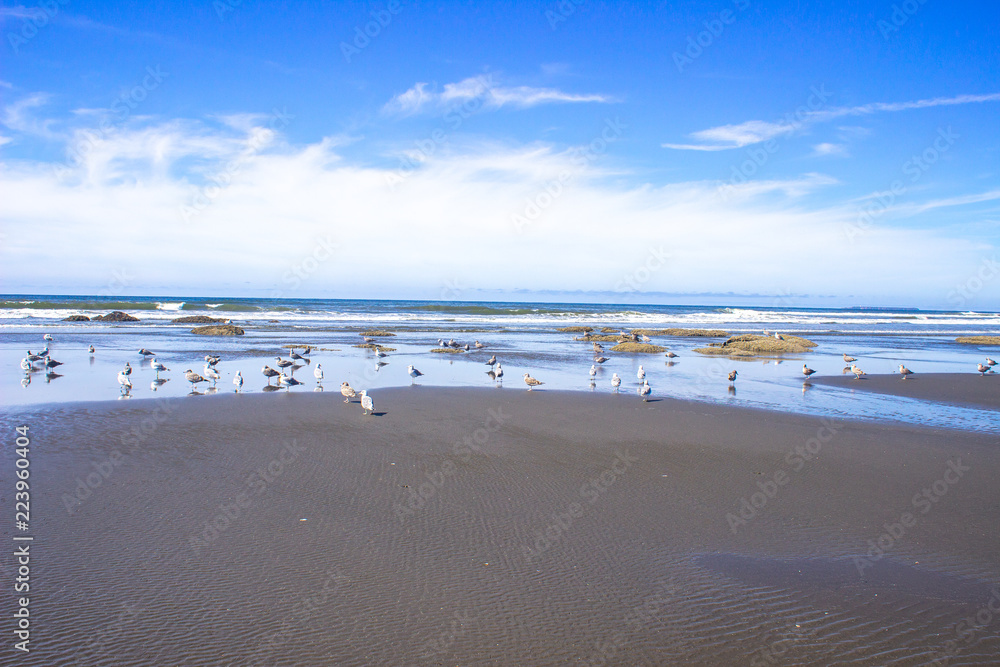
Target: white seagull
column 645, row 390
column 26, row 365
column 616, row 382
column 414, row 373
column 498, row 373
column 90, row 349
column 47, row 337
column 318, row 373
column 238, row 380
column 212, row 374
column 857, row 372
column 157, row 366
column 593, row 371
column 124, row 381
column 641, row 373
column 128, row 369
column 367, row 405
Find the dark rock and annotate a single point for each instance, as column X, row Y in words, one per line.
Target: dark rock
column 218, row 330
column 115, row 316
column 199, row 319
column 76, row 318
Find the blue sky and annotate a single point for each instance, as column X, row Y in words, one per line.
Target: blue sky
column 825, row 153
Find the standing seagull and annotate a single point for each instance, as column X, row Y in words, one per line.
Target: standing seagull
column 732, row 377
column 367, row 405
column 318, row 373
column 414, row 373
column 157, row 366
column 857, row 372
column 146, row 353
column 26, row 365
column 238, row 381
column 193, row 378
column 269, row 373
column 593, row 371
column 641, row 374
column 671, row 355
column 284, row 363
column 47, row 337
column 848, row 359
column 904, row 371
column 807, row 371
column 288, row 381
column 645, row 390
column 380, row 353
column 616, row 382
column 347, row 391
column 295, row 355
column 90, row 349
column 531, row 382
column 124, row 382
column 492, row 361
column 479, row 345
column 212, row 374
column 51, row 363
column 983, row 370
column 128, row 369
column 990, row 362
column 499, row 373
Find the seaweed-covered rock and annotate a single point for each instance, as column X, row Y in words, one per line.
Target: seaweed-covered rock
column 76, row 318
column 638, row 348
column 199, row 319
column 749, row 345
column 115, row 316
column 218, row 330
column 978, row 340
column 682, row 333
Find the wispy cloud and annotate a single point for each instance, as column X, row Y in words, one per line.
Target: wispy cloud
column 19, row 12
column 19, row 116
column 825, row 149
column 484, row 88
column 727, row 137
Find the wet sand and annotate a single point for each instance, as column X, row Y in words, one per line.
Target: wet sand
column 497, row 527
column 964, row 389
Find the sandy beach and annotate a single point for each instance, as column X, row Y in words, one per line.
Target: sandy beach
column 492, row 527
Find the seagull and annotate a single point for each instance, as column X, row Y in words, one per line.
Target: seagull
column 732, row 377
column 124, row 381
column 51, row 363
column 848, row 359
column 90, row 349
column 380, row 353
column 238, row 380
column 593, row 370
column 347, row 391
column 47, row 337
column 367, row 339
column 414, row 373
column 307, row 351
column 26, row 365
column 600, row 360
column 857, row 372
column 531, row 382
column 212, row 374
column 984, row 369
column 479, row 345
column 778, row 336
column 45, row 352
column 287, row 381
column 645, row 390
column 645, row 338
column 990, row 362
column 616, row 382
column 441, row 343
column 128, row 369
column 499, row 373
column 807, row 371
column 318, row 373
column 492, row 361
column 212, row 360
column 193, row 377
column 904, row 371
column 466, row 347
column 157, row 366
column 641, row 373
column 671, row 355
column 367, row 406
column 598, row 347
column 34, row 357
column 295, row 355
column 269, row 373
column 146, row 353
column 284, row 363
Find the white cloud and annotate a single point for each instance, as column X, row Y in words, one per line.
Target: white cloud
column 825, row 149
column 485, row 89
column 124, row 201
column 19, row 116
column 727, row 137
